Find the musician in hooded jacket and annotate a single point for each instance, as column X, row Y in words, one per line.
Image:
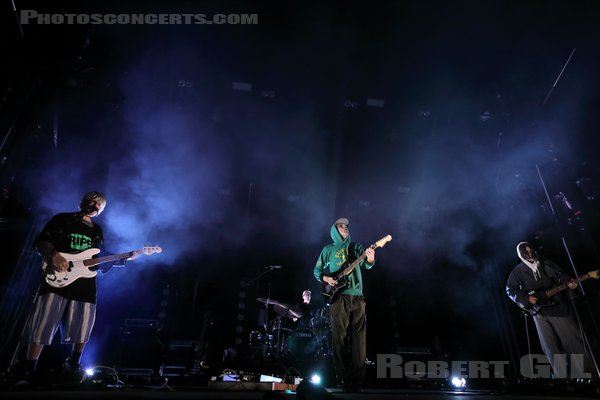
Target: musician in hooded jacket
column 554, row 318
column 347, row 312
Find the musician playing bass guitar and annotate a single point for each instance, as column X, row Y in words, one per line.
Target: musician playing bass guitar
column 72, row 307
column 347, row 311
column 554, row 319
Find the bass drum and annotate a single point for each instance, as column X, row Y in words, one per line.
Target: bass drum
column 303, row 344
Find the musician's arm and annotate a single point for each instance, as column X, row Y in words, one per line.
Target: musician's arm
column 45, row 249
column 99, row 243
column 322, row 262
column 559, row 275
column 45, row 242
column 515, row 291
column 105, row 268
column 358, row 251
column 318, row 270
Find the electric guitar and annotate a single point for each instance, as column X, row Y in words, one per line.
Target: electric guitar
column 82, row 265
column 331, row 292
column 545, row 296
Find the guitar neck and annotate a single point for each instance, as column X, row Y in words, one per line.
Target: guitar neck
column 560, row 288
column 380, row 243
column 101, row 260
column 350, row 268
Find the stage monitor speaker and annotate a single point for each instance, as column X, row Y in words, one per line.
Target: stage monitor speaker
column 181, row 352
column 141, row 345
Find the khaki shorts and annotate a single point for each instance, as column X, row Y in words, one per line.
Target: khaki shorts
column 75, row 318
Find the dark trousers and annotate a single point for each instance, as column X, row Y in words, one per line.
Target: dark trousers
column 349, row 337
column 561, row 335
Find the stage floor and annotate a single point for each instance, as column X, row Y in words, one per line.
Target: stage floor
column 313, row 393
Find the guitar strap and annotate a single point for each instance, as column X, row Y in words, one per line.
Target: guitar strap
column 351, row 253
column 550, row 272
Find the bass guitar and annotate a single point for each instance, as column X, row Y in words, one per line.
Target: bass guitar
column 331, row 292
column 83, row 265
column 545, row 296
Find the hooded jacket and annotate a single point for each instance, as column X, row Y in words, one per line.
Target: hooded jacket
column 522, row 280
column 338, row 254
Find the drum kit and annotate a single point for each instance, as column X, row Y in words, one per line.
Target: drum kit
column 281, row 339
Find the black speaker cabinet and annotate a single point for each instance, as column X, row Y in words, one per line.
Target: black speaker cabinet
column 141, row 345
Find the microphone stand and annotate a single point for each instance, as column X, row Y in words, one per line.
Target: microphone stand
column 270, row 268
column 584, row 337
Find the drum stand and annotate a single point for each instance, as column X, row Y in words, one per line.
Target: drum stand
column 278, row 347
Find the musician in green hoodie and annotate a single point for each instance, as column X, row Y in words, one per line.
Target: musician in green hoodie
column 347, row 311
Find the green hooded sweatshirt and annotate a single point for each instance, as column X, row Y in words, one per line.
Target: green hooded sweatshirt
column 335, row 255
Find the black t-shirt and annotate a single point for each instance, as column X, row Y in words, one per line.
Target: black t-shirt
column 67, row 233
column 307, row 311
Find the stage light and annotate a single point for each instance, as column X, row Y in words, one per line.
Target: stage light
column 351, row 104
column 590, row 188
column 315, row 379
column 242, row 86
column 100, row 376
column 268, row 93
column 184, row 83
column 458, row 383
column 375, row 103
column 485, row 116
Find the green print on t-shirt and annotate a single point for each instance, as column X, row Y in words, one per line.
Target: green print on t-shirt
column 80, row 242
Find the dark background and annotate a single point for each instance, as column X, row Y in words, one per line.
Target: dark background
column 476, row 135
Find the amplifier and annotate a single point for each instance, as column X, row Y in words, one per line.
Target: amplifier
column 141, row 323
column 141, row 345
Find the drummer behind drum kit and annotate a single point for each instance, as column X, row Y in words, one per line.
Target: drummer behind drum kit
column 301, row 344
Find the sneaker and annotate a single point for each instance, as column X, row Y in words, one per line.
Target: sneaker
column 25, row 380
column 22, row 382
column 71, row 372
column 19, row 376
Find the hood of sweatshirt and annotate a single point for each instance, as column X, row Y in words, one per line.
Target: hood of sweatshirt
column 337, row 238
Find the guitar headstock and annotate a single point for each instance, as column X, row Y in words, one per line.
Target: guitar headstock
column 594, row 274
column 382, row 242
column 147, row 250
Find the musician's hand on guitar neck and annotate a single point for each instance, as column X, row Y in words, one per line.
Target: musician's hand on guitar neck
column 533, row 299
column 370, row 253
column 329, row 280
column 572, row 285
column 59, row 262
column 134, row 255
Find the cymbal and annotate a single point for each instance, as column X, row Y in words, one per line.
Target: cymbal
column 267, row 301
column 287, row 310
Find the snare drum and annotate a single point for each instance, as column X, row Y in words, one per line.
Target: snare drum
column 259, row 339
column 303, row 344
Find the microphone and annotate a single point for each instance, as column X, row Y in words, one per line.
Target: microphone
column 275, row 266
column 89, row 208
